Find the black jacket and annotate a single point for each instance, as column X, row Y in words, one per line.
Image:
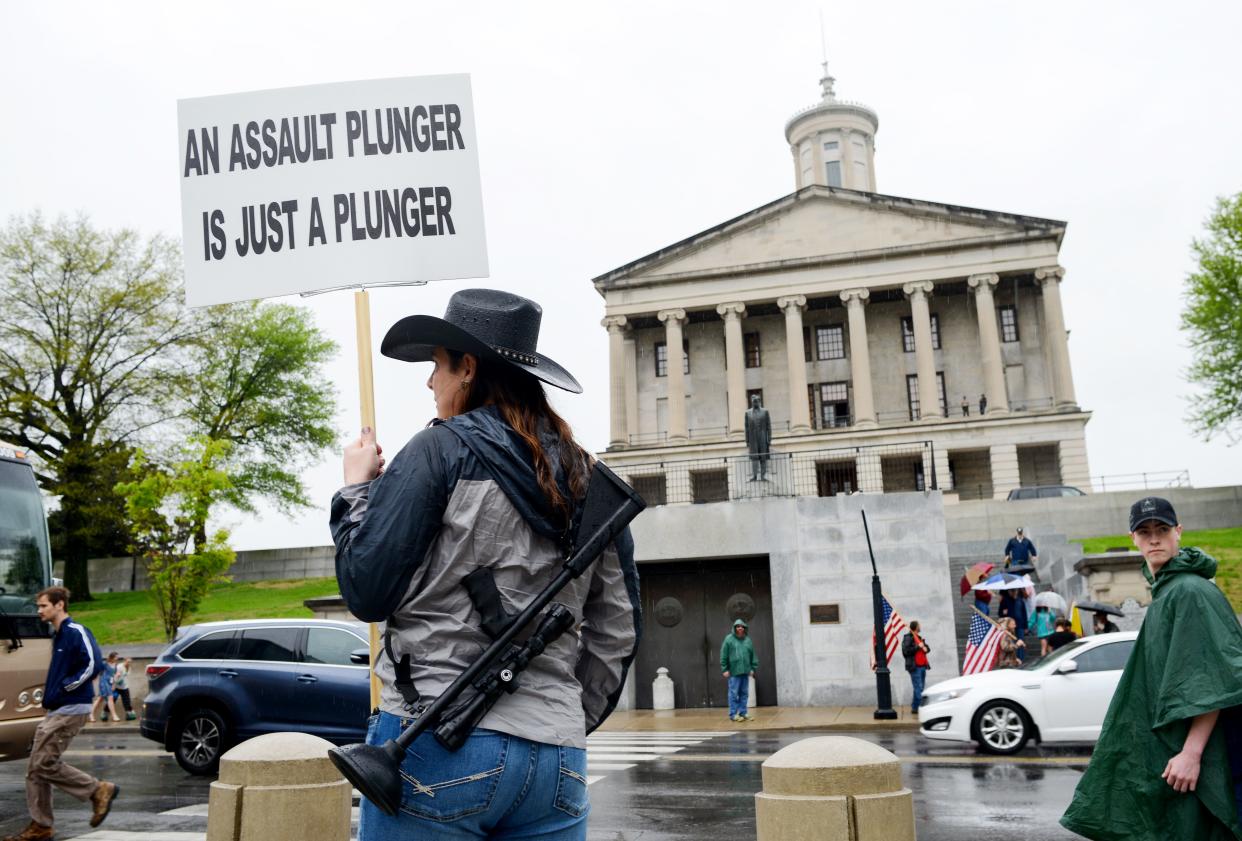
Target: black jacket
column 908, row 649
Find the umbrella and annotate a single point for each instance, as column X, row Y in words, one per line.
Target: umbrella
column 974, row 575
column 1100, row 607
column 1051, row 601
column 1030, row 589
column 1001, row 581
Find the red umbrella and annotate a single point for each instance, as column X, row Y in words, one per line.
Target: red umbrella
column 974, row 575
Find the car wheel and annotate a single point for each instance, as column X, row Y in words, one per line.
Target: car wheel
column 200, row 739
column 1001, row 727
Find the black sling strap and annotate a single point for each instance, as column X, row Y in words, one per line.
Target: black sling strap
column 403, row 682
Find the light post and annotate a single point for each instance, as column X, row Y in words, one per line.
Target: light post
column 883, row 688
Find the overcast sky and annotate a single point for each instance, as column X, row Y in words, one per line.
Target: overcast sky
column 606, row 131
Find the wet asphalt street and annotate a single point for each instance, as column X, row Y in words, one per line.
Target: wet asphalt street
column 643, row 786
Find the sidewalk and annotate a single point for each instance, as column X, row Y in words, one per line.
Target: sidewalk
column 766, row 718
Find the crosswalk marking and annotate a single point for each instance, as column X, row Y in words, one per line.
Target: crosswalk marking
column 193, row 810
column 619, row 751
column 624, row 757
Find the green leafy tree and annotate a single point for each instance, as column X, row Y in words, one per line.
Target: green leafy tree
column 164, row 508
column 257, row 383
column 89, row 343
column 91, row 518
column 1213, row 321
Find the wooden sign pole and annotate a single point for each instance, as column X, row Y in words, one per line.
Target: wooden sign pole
column 366, row 401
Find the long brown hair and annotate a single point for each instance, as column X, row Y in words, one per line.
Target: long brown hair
column 524, row 406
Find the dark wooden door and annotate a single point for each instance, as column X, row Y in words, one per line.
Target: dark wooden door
column 688, row 609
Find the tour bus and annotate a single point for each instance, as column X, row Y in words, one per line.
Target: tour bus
column 25, row 569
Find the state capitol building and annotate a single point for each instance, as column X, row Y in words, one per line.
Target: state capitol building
column 899, row 345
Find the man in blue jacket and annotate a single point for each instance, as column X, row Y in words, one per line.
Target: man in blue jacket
column 67, row 697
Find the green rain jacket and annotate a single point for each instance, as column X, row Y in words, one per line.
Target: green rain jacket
column 737, row 656
column 1186, row 661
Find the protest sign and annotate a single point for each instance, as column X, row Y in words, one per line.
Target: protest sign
column 350, row 184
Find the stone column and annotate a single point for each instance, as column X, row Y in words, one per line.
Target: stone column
column 735, row 366
column 1072, row 455
column 1005, row 476
column 819, row 174
column 940, row 457
column 631, row 384
column 929, row 394
column 989, row 343
column 677, row 432
column 860, row 357
column 619, row 436
column 870, row 471
column 871, row 164
column 1049, row 280
column 799, row 409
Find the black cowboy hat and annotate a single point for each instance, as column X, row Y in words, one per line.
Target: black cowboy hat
column 492, row 325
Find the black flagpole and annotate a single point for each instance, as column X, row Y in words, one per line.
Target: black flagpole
column 883, row 688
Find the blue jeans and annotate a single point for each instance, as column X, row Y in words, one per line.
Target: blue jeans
column 918, row 677
column 496, row 786
column 739, row 694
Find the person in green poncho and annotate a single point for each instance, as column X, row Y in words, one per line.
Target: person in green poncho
column 1167, row 762
column 738, row 662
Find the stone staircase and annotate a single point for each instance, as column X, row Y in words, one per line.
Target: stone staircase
column 1054, row 570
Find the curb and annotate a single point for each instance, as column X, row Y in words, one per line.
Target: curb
column 105, row 727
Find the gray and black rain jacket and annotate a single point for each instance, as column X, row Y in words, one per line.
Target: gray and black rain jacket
column 461, row 495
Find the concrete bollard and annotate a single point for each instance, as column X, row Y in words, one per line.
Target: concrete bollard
column 833, row 788
column 662, row 691
column 279, row 787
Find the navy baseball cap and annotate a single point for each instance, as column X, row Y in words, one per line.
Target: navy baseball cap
column 1152, row 508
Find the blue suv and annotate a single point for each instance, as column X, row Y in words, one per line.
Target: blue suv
column 221, row 683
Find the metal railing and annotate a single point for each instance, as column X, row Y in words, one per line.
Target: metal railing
column 886, row 418
column 1156, row 479
column 881, row 468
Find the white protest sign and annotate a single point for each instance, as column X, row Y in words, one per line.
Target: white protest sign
column 327, row 186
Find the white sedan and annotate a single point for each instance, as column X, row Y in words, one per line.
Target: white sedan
column 1060, row 698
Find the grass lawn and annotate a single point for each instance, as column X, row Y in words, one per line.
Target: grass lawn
column 117, row 618
column 1225, row 545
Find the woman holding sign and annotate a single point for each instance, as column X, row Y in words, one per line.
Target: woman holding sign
column 489, row 489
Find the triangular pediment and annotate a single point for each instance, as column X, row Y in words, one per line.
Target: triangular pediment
column 820, row 222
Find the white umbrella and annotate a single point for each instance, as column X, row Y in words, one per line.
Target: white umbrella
column 1028, row 595
column 1051, row 600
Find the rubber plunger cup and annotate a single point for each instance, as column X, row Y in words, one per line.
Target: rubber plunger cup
column 374, row 771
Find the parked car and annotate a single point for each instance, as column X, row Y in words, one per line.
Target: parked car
column 1045, row 492
column 1060, row 698
column 220, row 683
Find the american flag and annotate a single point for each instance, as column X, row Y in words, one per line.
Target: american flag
column 894, row 625
column 981, row 645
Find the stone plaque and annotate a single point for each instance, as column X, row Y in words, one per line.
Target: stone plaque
column 825, row 614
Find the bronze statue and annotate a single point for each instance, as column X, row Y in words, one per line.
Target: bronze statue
column 758, row 439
